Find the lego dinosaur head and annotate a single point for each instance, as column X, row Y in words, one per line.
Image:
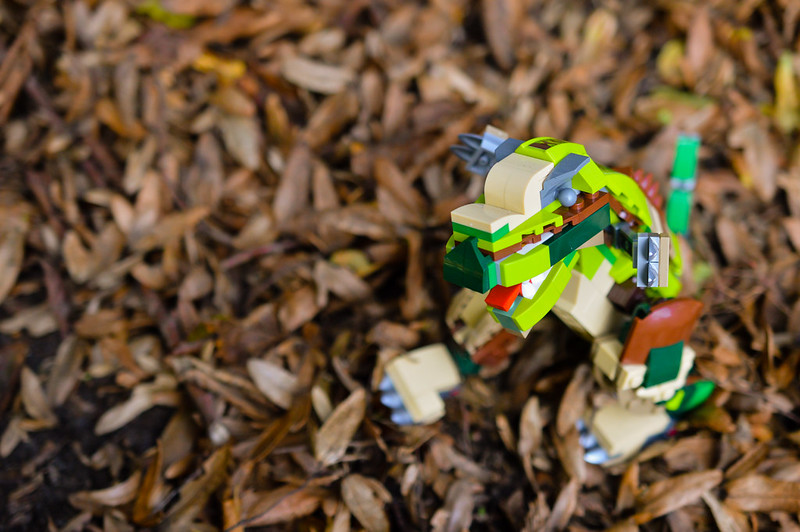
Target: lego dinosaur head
column 540, row 204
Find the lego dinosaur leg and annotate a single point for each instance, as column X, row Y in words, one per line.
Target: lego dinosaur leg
column 416, row 381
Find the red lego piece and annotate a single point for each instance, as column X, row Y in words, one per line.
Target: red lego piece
column 503, row 297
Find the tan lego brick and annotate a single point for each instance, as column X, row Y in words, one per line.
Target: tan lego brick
column 605, row 355
column 584, row 305
column 597, row 240
column 419, row 377
column 663, row 260
column 487, row 218
column 623, row 432
column 468, row 306
column 515, row 183
column 630, row 376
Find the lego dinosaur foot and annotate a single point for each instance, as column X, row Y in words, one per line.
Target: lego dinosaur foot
column 415, row 382
column 616, row 433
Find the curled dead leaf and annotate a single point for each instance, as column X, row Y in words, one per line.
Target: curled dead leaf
column 335, row 434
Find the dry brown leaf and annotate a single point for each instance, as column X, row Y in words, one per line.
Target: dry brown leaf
column 365, row 498
column 144, row 397
column 169, row 229
column 34, row 398
column 277, row 384
column 673, row 493
column 574, row 401
column 759, row 493
column 14, row 225
column 564, row 507
column 316, row 76
column 194, row 493
column 242, row 138
column 727, row 520
column 335, row 434
column 12, row 436
column 38, row 320
column 116, row 495
column 300, row 306
column 531, row 426
column 66, row 371
column 291, row 196
column 282, row 505
column 501, row 19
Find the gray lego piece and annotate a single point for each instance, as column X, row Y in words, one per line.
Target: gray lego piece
column 561, row 176
column 482, row 151
column 506, row 148
column 645, row 259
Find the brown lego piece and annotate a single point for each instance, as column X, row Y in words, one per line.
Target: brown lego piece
column 626, row 295
column 496, row 350
column 585, row 206
column 668, row 322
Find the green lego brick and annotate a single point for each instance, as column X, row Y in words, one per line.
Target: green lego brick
column 663, row 364
column 477, row 233
column 518, row 268
column 466, row 366
column 689, row 397
column 607, row 252
column 684, row 166
column 466, row 266
column 589, row 261
column 531, row 311
column 571, row 238
column 679, row 207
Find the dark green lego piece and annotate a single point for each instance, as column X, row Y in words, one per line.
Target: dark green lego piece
column 574, row 236
column 466, row 266
column 663, row 364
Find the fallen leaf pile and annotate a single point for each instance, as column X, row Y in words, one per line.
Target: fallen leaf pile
column 220, row 219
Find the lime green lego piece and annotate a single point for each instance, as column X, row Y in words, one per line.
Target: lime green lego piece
column 672, row 289
column 518, row 268
column 629, row 194
column 532, row 226
column 589, row 179
column 663, row 364
column 589, row 261
column 477, row 233
column 623, row 269
column 451, row 242
column 530, row 311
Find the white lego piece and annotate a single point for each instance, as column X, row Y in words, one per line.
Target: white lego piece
column 515, row 183
column 419, row 376
column 622, row 432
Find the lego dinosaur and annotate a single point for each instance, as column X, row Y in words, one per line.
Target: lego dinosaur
column 555, row 231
